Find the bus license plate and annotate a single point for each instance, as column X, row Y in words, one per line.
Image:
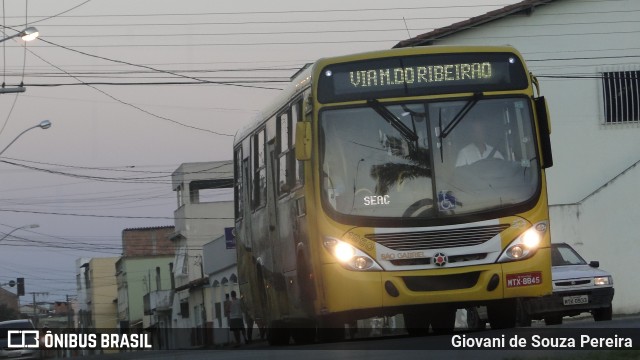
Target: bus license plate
column 575, row 300
column 524, row 279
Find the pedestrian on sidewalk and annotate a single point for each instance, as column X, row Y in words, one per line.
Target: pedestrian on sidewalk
column 236, row 321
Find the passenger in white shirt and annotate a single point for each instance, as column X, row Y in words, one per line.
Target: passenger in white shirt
column 478, row 149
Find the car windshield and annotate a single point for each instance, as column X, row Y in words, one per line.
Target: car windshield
column 383, row 160
column 563, row 255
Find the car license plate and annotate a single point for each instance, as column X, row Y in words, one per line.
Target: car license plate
column 575, row 300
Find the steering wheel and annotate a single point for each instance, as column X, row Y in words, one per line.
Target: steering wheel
column 418, row 208
column 363, row 190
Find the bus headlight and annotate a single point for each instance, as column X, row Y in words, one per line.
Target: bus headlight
column 349, row 256
column 525, row 245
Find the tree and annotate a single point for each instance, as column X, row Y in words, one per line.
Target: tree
column 7, row 313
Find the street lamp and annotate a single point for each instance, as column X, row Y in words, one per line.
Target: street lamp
column 44, row 124
column 30, row 226
column 27, row 34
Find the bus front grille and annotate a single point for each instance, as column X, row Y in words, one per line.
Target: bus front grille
column 450, row 259
column 437, row 239
column 442, row 282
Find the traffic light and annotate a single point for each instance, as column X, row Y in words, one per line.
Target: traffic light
column 20, row 282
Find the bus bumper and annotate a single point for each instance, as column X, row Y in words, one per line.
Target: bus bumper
column 347, row 290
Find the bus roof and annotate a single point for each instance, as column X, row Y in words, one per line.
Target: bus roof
column 308, row 75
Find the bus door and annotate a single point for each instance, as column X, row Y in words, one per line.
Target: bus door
column 280, row 302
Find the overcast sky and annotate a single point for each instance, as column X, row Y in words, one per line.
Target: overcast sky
column 76, row 179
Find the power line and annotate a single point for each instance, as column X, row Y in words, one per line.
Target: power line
column 132, row 105
column 54, row 16
column 156, row 83
column 280, row 12
column 114, row 216
column 145, row 67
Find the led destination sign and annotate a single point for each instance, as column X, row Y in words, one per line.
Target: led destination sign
column 421, row 75
column 426, row 74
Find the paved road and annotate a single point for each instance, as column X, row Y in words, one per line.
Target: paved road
column 431, row 347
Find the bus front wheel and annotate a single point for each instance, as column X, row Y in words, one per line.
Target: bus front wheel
column 502, row 314
column 416, row 323
column 443, row 320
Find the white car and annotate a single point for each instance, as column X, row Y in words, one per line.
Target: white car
column 13, row 353
column 578, row 287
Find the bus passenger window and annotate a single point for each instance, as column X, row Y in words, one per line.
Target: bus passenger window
column 260, row 173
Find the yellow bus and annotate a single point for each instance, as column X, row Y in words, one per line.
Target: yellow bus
column 404, row 181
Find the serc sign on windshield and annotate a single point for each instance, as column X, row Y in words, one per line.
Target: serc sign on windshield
column 421, row 75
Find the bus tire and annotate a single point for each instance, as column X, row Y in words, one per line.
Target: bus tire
column 502, row 314
column 443, row 320
column 331, row 330
column 277, row 334
column 304, row 335
column 474, row 322
column 524, row 319
column 416, row 323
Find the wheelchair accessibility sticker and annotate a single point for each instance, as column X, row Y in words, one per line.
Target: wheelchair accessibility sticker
column 446, row 200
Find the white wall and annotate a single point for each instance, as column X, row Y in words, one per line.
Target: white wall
column 605, row 228
column 586, row 35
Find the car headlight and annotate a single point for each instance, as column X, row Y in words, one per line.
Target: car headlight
column 525, row 245
column 603, row 280
column 349, row 256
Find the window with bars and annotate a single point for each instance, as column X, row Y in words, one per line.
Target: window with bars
column 621, row 90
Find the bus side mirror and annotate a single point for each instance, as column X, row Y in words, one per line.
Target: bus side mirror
column 544, row 124
column 303, row 140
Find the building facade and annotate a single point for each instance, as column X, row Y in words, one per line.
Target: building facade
column 100, row 294
column 144, row 267
column 205, row 209
column 220, row 265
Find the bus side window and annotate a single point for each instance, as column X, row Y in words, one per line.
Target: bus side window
column 259, row 171
column 284, row 140
column 290, row 174
column 296, row 116
column 238, row 196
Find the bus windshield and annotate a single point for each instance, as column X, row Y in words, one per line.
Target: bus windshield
column 394, row 162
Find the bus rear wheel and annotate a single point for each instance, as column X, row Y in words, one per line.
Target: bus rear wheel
column 277, row 334
column 304, row 335
column 331, row 330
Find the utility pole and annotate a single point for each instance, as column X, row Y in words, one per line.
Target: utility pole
column 35, row 306
column 204, row 309
column 69, row 313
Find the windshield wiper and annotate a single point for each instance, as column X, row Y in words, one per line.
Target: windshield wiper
column 459, row 116
column 393, row 120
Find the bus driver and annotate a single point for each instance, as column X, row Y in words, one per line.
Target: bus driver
column 478, row 149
